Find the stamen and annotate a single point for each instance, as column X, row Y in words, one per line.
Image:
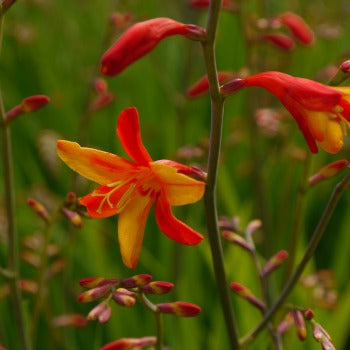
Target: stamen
column 125, row 197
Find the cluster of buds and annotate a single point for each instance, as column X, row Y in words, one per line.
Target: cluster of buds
column 296, row 25
column 130, row 343
column 103, row 97
column 126, row 291
column 328, row 171
column 73, row 211
column 28, row 105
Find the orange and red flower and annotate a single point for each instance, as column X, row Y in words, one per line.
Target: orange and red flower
column 129, row 188
column 322, row 112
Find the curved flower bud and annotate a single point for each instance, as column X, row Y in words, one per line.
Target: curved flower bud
column 141, row 38
column 179, row 308
column 136, row 281
column 279, row 40
column 157, row 287
column 328, row 171
column 226, row 4
column 130, row 343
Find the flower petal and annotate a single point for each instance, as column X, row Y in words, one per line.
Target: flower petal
column 108, row 200
column 333, row 140
column 179, row 189
column 128, row 130
column 172, row 227
column 101, row 167
column 131, row 227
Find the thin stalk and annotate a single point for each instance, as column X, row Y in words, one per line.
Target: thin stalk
column 9, row 195
column 315, row 239
column 217, row 107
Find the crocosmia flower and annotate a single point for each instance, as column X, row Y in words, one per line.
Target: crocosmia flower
column 322, row 112
column 141, row 38
column 130, row 187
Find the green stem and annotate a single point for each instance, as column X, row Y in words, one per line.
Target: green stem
column 217, row 107
column 315, row 239
column 9, row 195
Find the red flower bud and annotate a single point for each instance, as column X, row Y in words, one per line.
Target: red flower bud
column 232, row 86
column 281, row 41
column 245, row 293
column 234, row 238
column 157, row 287
column 101, row 311
column 100, row 85
column 28, row 286
column 92, row 282
column 6, row 4
column 75, row 320
column 328, row 171
column 140, row 39
column 226, row 4
column 136, row 281
column 38, row 208
column 275, row 262
column 123, row 299
column 100, row 101
column 253, row 226
column 180, row 308
column 298, row 27
column 300, row 324
column 29, row 104
column 345, row 66
column 129, row 343
column 73, row 217
column 308, row 314
column 93, row 294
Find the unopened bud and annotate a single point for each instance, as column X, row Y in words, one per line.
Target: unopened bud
column 28, row 286
column 231, row 224
column 101, row 101
column 123, row 299
column 300, row 324
column 93, row 294
column 38, row 208
column 328, row 171
column 345, row 66
column 71, row 198
column 29, row 104
column 100, row 310
column 308, row 314
column 179, row 308
column 275, row 262
column 232, row 86
column 136, row 281
column 56, row 267
column 234, row 238
column 105, row 315
column 286, row 323
column 75, row 320
column 130, row 343
column 100, row 85
column 279, row 40
column 245, row 293
column 73, row 217
column 253, row 226
column 92, row 282
column 203, row 4
column 5, row 5
column 321, row 336
column 31, row 258
column 157, row 287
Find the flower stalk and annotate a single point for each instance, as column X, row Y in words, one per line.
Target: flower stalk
column 9, row 195
column 217, row 108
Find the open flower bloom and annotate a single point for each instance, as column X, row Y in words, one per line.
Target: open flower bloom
column 129, row 188
column 322, row 112
column 141, row 38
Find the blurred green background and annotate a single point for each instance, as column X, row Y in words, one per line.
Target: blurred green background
column 54, row 47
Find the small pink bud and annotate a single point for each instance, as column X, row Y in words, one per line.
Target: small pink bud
column 321, row 336
column 101, row 101
column 123, row 299
column 140, row 39
column 92, row 282
column 275, row 262
column 136, row 281
column 234, row 238
column 105, row 315
column 345, row 66
column 253, row 226
column 38, row 208
column 279, row 40
column 28, row 286
column 100, row 85
column 308, row 314
column 298, row 27
column 231, row 224
column 328, row 171
column 245, row 293
column 203, row 4
column 75, row 320
column 93, row 294
column 97, row 311
column 300, row 324
column 286, row 323
column 157, row 287
column 129, row 343
column 71, row 198
column 73, row 217
column 179, row 308
column 232, row 86
column 201, row 86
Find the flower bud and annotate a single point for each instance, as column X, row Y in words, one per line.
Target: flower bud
column 6, row 4
column 157, row 287
column 92, row 282
column 321, row 336
column 93, row 294
column 232, row 86
column 328, row 171
column 123, row 299
column 202, row 4
column 179, row 308
column 201, row 86
column 140, row 39
column 231, row 224
column 298, row 27
column 31, row 258
column 253, row 226
column 245, row 293
column 308, row 314
column 136, row 281
column 105, row 315
column 286, row 323
column 28, row 286
column 101, row 310
column 71, row 198
column 101, row 101
column 73, row 217
column 100, row 85
column 29, row 104
column 345, row 66
column 38, row 208
column 130, row 343
column 75, row 320
column 275, row 262
column 233, row 237
column 300, row 324
column 279, row 40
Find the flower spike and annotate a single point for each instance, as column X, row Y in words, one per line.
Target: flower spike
column 141, row 38
column 321, row 112
column 129, row 188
